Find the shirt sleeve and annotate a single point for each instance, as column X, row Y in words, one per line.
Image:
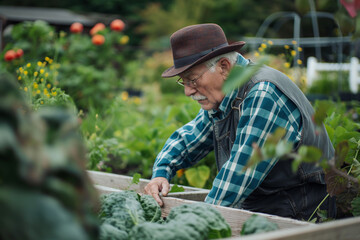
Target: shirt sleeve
column 262, row 112
column 185, row 147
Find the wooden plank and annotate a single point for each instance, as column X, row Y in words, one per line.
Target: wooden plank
column 125, row 182
column 105, row 190
column 343, row 229
column 191, row 195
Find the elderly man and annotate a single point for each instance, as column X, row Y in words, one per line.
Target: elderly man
column 230, row 124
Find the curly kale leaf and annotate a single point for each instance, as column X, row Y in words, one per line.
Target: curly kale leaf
column 121, row 210
column 187, row 226
column 151, row 208
column 257, row 224
column 217, row 225
column 109, row 232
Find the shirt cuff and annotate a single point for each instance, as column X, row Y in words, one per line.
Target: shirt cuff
column 161, row 173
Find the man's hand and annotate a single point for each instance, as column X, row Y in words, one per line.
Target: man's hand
column 157, row 185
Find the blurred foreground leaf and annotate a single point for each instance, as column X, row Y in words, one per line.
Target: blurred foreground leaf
column 240, row 75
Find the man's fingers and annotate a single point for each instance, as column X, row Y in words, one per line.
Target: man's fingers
column 157, row 199
column 157, row 185
column 153, row 190
column 165, row 188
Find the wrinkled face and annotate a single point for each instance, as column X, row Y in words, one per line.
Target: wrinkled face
column 207, row 90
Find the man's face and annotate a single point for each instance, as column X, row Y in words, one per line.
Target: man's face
column 207, row 88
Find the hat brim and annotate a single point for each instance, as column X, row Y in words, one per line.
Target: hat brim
column 172, row 71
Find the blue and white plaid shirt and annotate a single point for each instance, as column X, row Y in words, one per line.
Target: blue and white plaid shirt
column 263, row 110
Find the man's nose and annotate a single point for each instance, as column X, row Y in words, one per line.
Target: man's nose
column 189, row 90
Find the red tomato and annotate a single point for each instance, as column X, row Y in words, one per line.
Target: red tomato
column 96, row 28
column 76, row 27
column 98, row 39
column 117, row 25
column 19, row 53
column 10, row 55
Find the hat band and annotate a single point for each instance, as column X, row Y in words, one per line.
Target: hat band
column 181, row 62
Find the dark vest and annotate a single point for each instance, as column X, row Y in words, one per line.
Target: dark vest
column 281, row 177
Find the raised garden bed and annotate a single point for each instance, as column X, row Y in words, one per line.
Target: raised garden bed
column 108, row 182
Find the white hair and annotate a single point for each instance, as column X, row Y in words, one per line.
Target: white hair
column 231, row 56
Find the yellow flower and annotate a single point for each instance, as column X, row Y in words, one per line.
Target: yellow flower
column 43, row 64
column 28, row 65
column 286, row 47
column 263, row 45
column 270, row 42
column 21, row 69
column 50, row 61
column 54, row 93
column 137, row 100
column 124, row 96
column 42, row 71
column 35, row 85
column 47, row 59
column 48, row 85
column 46, row 91
column 25, row 89
column 293, row 53
column 46, row 74
column 124, row 39
column 38, row 91
column 287, row 65
column 39, row 63
column 300, row 49
column 42, row 102
column 48, row 95
column 19, row 77
column 294, row 42
column 260, row 49
column 299, row 61
column 35, row 74
column 117, row 133
column 25, row 72
column 41, row 79
column 256, row 54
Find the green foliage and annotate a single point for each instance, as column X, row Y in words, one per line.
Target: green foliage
column 257, row 224
column 330, row 83
column 241, row 75
column 37, row 215
column 136, row 178
column 91, row 74
column 197, row 176
column 130, row 135
column 176, row 188
column 109, row 232
column 44, row 186
column 217, row 227
column 186, row 227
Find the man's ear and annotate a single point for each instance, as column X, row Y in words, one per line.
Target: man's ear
column 225, row 66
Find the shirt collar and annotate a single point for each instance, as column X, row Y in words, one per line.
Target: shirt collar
column 226, row 102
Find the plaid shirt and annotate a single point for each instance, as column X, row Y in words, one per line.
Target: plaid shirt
column 263, row 110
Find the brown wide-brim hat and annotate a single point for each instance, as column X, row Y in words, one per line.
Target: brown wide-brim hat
column 196, row 44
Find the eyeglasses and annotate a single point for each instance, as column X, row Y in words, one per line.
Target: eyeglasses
column 191, row 83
